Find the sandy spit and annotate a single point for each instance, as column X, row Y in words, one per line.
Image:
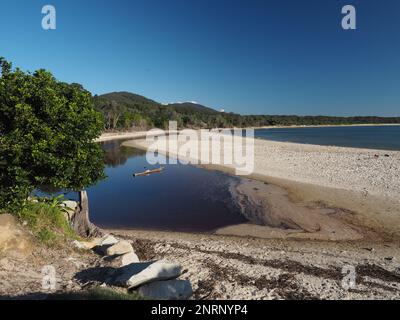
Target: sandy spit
column 127, row 135
column 363, row 181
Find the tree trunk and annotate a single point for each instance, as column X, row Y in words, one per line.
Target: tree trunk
column 81, row 222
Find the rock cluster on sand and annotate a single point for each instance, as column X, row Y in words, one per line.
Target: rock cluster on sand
column 154, row 279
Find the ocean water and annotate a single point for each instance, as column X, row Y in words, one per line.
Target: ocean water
column 371, row 137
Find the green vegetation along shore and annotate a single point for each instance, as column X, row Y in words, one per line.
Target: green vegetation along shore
column 125, row 111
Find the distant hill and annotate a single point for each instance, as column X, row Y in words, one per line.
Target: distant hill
column 126, row 99
column 125, row 109
column 132, row 101
column 190, row 107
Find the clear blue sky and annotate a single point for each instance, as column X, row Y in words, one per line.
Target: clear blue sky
column 246, row 56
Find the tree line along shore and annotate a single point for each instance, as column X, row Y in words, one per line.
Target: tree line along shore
column 125, row 111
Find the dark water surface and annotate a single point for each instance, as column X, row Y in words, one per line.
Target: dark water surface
column 371, row 137
column 181, row 198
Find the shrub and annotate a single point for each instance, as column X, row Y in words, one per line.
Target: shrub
column 47, row 222
column 47, row 132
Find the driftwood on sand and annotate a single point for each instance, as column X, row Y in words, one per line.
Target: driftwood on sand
column 80, row 220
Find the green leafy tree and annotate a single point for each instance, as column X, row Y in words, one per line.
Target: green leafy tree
column 47, row 132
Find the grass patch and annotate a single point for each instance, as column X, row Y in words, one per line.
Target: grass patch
column 47, row 236
column 47, row 222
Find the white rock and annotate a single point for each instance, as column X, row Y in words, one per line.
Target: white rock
column 121, row 247
column 167, row 290
column 123, row 259
column 105, row 243
column 108, row 240
column 136, row 274
column 129, row 258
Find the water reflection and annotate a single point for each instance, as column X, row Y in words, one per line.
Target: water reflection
column 181, row 198
column 116, row 155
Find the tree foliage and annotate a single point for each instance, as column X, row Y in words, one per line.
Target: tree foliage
column 47, row 132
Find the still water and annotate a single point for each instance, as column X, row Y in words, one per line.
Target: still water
column 181, row 198
column 371, row 137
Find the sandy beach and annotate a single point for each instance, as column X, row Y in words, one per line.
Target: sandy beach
column 225, row 267
column 330, row 193
column 121, row 135
column 314, row 213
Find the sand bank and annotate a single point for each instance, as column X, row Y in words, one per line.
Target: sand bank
column 126, row 135
column 364, row 184
column 274, row 215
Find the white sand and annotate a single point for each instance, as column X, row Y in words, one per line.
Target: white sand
column 345, row 168
column 223, row 267
column 121, row 135
column 126, row 135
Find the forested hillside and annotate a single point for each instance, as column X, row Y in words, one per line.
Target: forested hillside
column 125, row 111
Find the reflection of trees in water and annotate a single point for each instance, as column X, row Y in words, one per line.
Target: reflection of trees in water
column 116, row 155
column 50, row 191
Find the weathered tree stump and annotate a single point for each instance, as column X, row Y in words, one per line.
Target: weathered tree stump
column 81, row 222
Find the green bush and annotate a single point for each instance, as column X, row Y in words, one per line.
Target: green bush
column 47, row 132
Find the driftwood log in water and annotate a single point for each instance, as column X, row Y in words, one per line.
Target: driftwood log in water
column 81, row 222
column 148, row 172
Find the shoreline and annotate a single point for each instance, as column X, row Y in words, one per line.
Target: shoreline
column 109, row 136
column 135, row 135
column 363, row 201
column 327, row 126
column 242, row 265
column 273, row 158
